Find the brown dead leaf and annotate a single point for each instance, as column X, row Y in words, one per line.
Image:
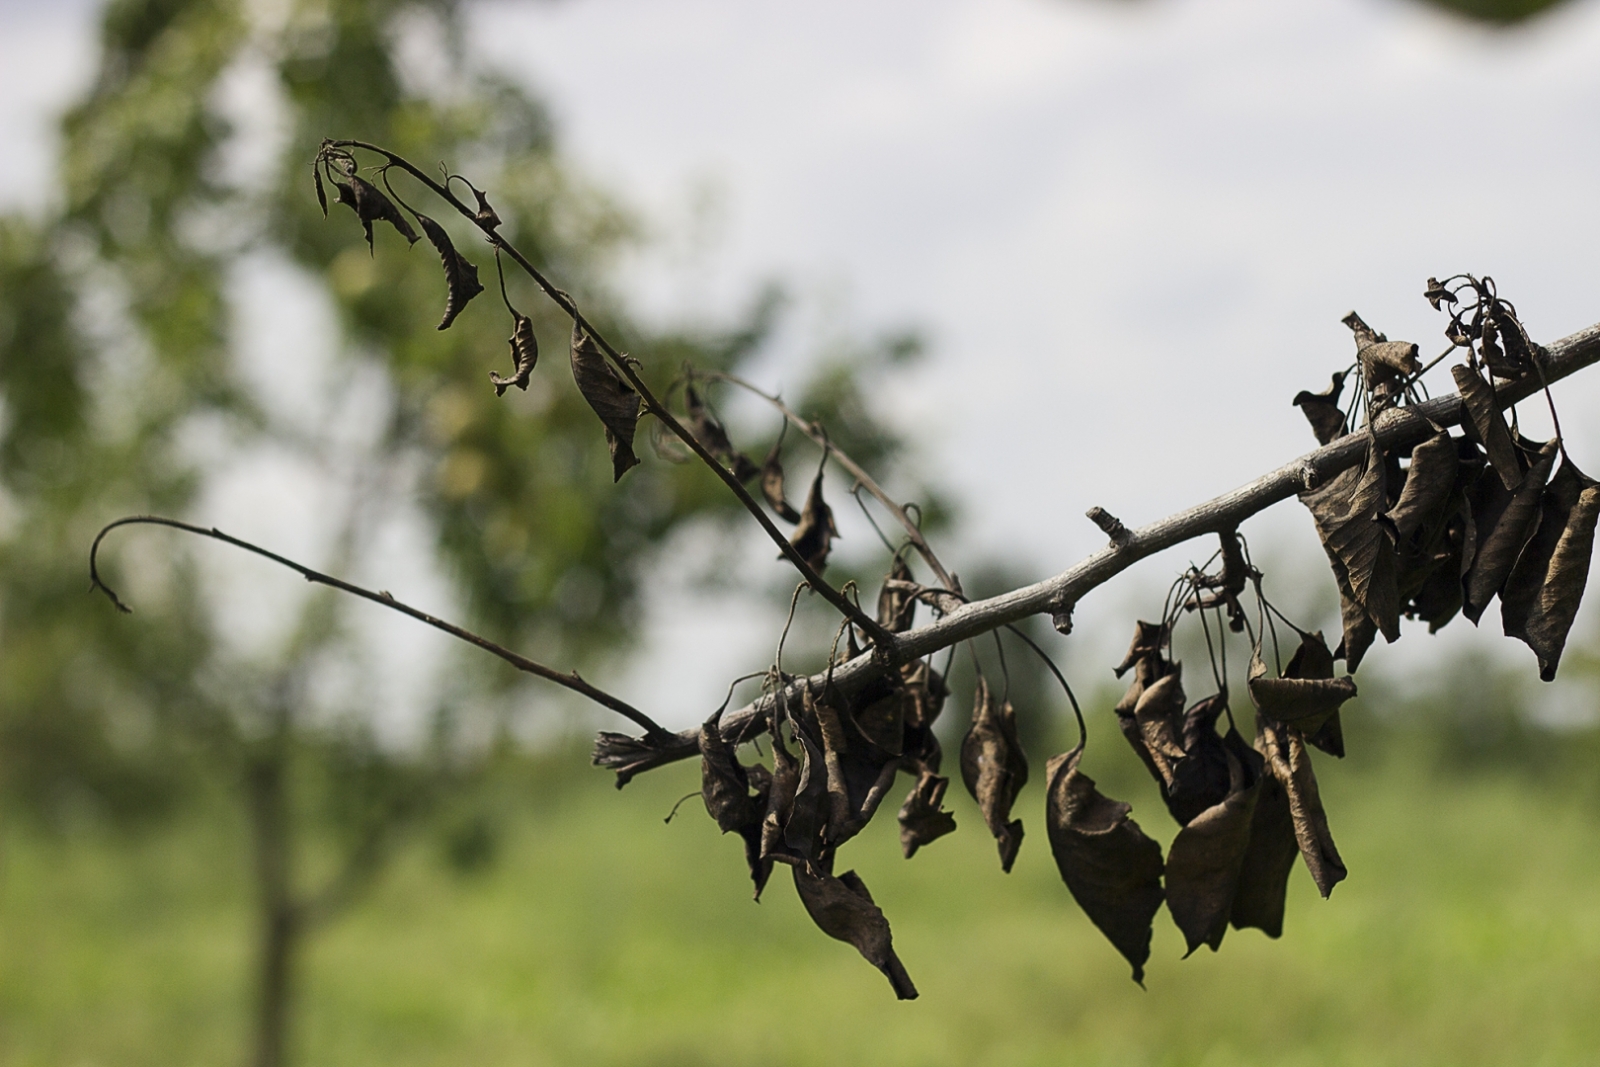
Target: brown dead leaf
column 843, row 909
column 460, row 274
column 611, row 398
column 725, row 786
column 1541, row 597
column 1307, row 696
column 1346, row 511
column 1430, row 479
column 1205, row 859
column 1111, row 868
column 1159, row 716
column 772, row 484
column 1269, row 857
column 370, row 205
column 1322, row 410
column 524, row 356
column 995, row 769
column 1513, row 528
column 897, row 606
column 813, row 537
column 1290, row 763
column 713, row 436
column 1486, row 421
column 922, row 818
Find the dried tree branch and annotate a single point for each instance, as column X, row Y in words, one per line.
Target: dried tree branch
column 856, row 471
column 569, row 680
column 652, row 404
column 1397, row 427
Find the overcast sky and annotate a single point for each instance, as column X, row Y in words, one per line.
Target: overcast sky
column 1129, row 230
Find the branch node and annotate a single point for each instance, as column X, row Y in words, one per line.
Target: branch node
column 1061, row 617
column 1110, row 524
column 1308, row 476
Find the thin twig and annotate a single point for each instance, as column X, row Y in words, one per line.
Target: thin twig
column 569, row 680
column 652, row 404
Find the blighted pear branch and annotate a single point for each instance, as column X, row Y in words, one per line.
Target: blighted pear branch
column 568, row 680
column 1395, row 428
column 486, row 220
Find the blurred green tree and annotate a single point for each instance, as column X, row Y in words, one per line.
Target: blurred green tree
column 121, row 371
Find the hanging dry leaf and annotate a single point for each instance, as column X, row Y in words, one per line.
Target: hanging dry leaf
column 711, row 434
column 1200, row 779
column 322, row 192
column 897, row 606
column 1149, row 639
column 460, row 274
column 1541, row 596
column 1111, row 868
column 1205, row 859
column 725, row 786
column 524, row 356
column 1268, row 858
column 1322, row 410
column 1290, row 763
column 920, row 752
column 813, row 537
column 1159, row 715
column 1483, row 415
column 843, row 909
column 370, row 205
column 1346, row 511
column 772, row 484
column 922, row 818
column 780, row 801
column 995, row 769
column 611, row 398
column 1515, row 526
column 1307, row 696
column 1430, row 479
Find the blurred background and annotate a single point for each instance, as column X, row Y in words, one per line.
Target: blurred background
column 1022, row 257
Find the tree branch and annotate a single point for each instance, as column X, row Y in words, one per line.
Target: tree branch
column 1396, row 427
column 877, row 634
column 568, row 680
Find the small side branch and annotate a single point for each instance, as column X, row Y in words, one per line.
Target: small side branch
column 567, row 680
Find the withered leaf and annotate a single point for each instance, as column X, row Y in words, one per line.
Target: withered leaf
column 897, row 607
column 813, row 537
column 524, row 356
column 1430, row 479
column 1541, row 597
column 1158, row 715
column 1346, row 511
column 922, row 819
column 1436, row 292
column 460, row 279
column 1395, row 359
column 772, row 484
column 1322, row 409
column 725, row 786
column 1290, row 763
column 843, row 909
column 1149, row 638
column 370, row 205
column 711, row 434
column 1269, row 857
column 1206, row 857
column 611, row 398
column 1483, row 415
column 628, row 755
column 322, row 192
column 995, row 769
column 1498, row 551
column 780, row 801
column 925, row 692
column 486, row 215
column 1201, row 778
column 1307, row 696
column 1111, row 868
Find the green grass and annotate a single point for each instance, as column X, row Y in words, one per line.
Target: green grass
column 1468, row 933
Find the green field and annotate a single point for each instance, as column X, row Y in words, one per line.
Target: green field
column 1468, row 933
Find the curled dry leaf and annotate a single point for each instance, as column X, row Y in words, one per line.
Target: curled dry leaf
column 1159, row 718
column 1200, row 779
column 1541, row 597
column 1111, row 868
column 322, row 192
column 524, row 356
column 1483, row 415
column 370, row 205
column 1322, row 410
column 1290, row 763
column 1145, row 658
column 628, row 755
column 844, row 910
column 1430, row 479
column 1205, row 859
column 925, row 692
column 725, row 786
column 460, row 276
column 780, row 802
column 1307, row 696
column 772, row 484
column 897, row 606
column 860, row 771
column 813, row 537
column 611, row 398
column 922, row 818
column 1268, row 858
column 995, row 769
column 1514, row 526
column 1346, row 511
column 711, row 434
